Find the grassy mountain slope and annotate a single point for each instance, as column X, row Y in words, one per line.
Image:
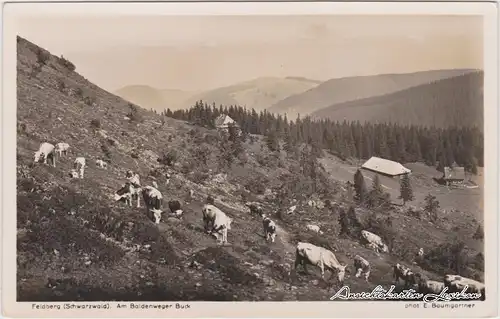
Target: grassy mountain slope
column 456, row 101
column 152, row 98
column 75, row 242
column 341, row 90
column 258, row 93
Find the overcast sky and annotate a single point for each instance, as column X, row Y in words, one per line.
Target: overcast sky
column 199, row 53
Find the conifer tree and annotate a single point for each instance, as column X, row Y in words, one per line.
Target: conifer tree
column 360, row 187
column 405, row 189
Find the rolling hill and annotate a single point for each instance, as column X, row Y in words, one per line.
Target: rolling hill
column 153, row 98
column 341, row 90
column 76, row 243
column 455, row 101
column 258, row 93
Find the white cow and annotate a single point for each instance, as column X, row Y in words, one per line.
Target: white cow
column 62, row 149
column 79, row 164
column 102, row 164
column 45, row 151
column 457, row 283
column 153, row 200
column 221, row 223
column 307, row 253
column 374, row 241
column 269, row 228
column 314, row 228
column 362, row 266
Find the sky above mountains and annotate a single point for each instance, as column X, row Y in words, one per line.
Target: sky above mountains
column 205, row 52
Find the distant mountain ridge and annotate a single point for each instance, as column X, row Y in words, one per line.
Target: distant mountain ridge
column 346, row 89
column 454, row 101
column 259, row 93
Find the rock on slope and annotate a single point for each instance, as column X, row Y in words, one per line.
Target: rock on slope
column 76, row 243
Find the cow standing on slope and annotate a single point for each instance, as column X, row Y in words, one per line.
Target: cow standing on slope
column 62, row 149
column 374, row 242
column 79, row 164
column 362, row 266
column 307, row 253
column 404, row 273
column 45, row 151
column 153, row 201
column 219, row 221
column 269, row 228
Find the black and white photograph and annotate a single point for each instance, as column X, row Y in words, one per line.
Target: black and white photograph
column 260, row 157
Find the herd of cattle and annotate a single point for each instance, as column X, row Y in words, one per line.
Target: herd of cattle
column 217, row 224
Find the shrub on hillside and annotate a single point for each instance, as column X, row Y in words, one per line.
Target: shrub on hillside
column 89, row 100
column 42, row 56
column 78, row 92
column 168, row 158
column 105, row 149
column 61, row 85
column 449, row 257
column 95, row 123
column 67, row 64
column 257, row 184
column 134, row 114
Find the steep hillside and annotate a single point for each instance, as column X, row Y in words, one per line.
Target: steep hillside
column 341, row 90
column 76, row 243
column 456, row 101
column 258, row 94
column 153, row 98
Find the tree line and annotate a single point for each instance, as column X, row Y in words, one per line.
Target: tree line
column 402, row 143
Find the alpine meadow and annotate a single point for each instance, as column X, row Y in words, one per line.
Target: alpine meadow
column 249, row 188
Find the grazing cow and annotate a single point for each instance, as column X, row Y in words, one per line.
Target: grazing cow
column 362, row 266
column 314, row 228
column 79, row 164
column 128, row 192
column 62, row 149
column 269, row 228
column 220, row 222
column 307, row 253
column 102, row 164
column 430, row 287
column 255, row 208
column 374, row 241
column 420, row 253
column 45, row 151
column 291, row 209
column 404, row 273
column 457, row 283
column 153, row 200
